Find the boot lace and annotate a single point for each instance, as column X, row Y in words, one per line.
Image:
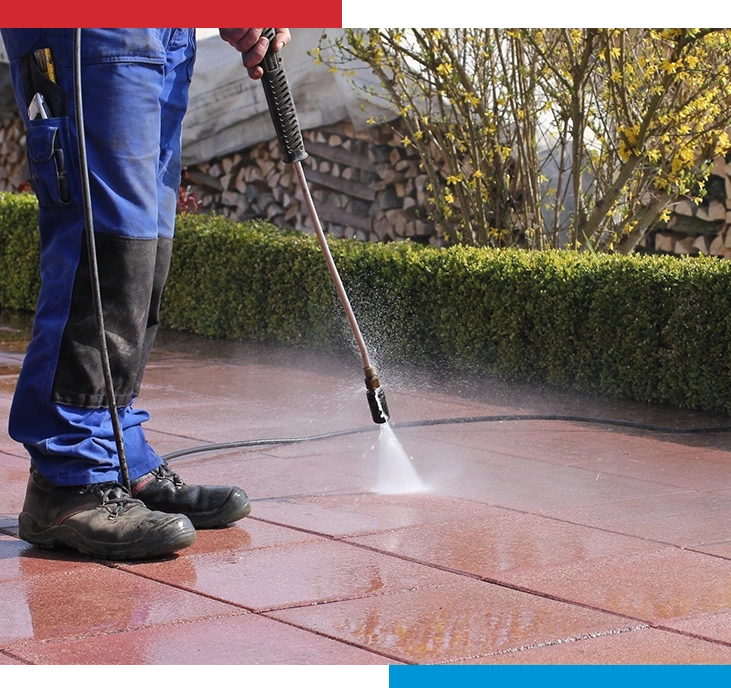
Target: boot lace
column 164, row 472
column 111, row 496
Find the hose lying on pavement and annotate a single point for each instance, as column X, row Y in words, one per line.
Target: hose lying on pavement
column 447, row 421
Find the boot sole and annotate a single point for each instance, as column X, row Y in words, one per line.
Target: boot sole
column 171, row 537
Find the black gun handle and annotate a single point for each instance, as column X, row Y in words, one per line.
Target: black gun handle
column 281, row 104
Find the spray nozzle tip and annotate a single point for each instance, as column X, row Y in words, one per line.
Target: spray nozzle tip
column 377, row 403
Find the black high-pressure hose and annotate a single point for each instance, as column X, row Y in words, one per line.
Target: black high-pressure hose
column 93, row 267
column 242, row 444
column 286, row 125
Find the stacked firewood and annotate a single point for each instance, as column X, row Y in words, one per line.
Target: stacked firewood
column 710, row 244
column 699, row 228
column 13, row 167
column 365, row 185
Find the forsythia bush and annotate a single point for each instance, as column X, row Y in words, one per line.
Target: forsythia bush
column 550, row 138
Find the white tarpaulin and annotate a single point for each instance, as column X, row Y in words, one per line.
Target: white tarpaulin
column 228, row 110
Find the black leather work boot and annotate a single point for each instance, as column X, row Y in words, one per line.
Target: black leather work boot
column 207, row 506
column 101, row 520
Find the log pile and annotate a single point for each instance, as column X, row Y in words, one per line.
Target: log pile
column 714, row 244
column 13, row 167
column 365, row 185
column 703, row 228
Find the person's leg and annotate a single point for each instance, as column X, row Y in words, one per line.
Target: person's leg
column 146, row 242
column 59, row 409
column 136, row 83
column 153, row 482
column 180, row 49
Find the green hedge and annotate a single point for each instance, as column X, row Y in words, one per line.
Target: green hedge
column 650, row 328
column 19, row 252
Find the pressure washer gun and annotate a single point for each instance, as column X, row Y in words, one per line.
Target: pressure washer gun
column 286, row 124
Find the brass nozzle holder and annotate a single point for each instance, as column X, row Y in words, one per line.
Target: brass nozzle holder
column 371, row 378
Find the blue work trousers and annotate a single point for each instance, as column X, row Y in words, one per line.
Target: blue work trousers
column 135, row 94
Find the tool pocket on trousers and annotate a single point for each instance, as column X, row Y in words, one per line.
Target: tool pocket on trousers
column 35, row 81
column 47, row 163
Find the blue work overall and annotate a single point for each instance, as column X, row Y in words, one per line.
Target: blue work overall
column 135, row 94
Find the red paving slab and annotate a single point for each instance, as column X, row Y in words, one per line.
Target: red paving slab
column 709, row 626
column 668, row 464
column 13, row 480
column 354, row 514
column 502, row 544
column 292, row 575
column 19, row 560
column 638, row 646
column 655, row 586
column 95, row 599
column 461, row 621
column 686, row 519
column 721, row 549
column 334, row 466
column 246, row 639
column 9, row 661
column 534, row 541
column 7, row 445
column 248, row 535
column 515, row 482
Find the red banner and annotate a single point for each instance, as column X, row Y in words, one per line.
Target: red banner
column 138, row 13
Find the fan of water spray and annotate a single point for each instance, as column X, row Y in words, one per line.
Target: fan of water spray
column 396, row 472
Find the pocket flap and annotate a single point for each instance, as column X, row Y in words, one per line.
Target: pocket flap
column 41, row 142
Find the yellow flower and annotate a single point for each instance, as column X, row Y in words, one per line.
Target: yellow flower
column 445, row 69
column 723, row 144
column 623, row 151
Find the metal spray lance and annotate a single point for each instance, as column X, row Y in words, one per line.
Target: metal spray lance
column 286, row 125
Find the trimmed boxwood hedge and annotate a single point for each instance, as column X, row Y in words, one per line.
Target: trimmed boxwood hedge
column 650, row 328
column 20, row 277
